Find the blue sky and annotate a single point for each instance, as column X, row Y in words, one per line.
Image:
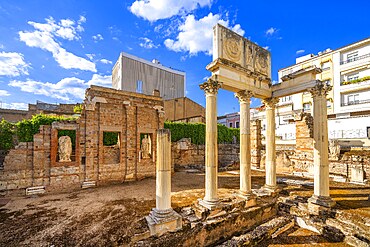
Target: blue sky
column 53, row 50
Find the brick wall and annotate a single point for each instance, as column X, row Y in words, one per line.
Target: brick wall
column 106, row 110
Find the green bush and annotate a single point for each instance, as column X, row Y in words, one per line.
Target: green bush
column 197, row 132
column 26, row 128
column 366, row 78
column 110, row 138
column 6, row 135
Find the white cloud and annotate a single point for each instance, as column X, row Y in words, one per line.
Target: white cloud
column 148, row 43
column 90, row 56
column 44, row 37
column 101, row 80
column 97, row 37
column 105, row 61
column 4, row 93
column 299, row 52
column 271, row 31
column 196, row 35
column 68, row 89
column 2, row 46
column 16, row 106
column 12, row 64
column 153, row 10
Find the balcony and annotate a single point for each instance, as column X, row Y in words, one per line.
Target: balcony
column 355, row 59
column 355, row 85
column 356, row 102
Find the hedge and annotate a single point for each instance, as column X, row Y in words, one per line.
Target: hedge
column 196, row 132
column 6, row 135
column 26, row 128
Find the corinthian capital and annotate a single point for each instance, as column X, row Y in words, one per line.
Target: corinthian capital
column 244, row 96
column 320, row 89
column 210, row 86
column 270, row 102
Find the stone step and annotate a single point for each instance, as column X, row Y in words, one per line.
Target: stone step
column 261, row 233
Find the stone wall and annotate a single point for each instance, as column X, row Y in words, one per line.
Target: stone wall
column 188, row 155
column 129, row 115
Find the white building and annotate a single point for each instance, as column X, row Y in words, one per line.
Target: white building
column 134, row 74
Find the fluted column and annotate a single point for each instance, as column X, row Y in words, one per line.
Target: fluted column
column 163, row 218
column 211, row 182
column 270, row 166
column 321, row 194
column 245, row 190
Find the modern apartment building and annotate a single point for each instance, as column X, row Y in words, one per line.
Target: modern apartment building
column 134, row 74
column 347, row 69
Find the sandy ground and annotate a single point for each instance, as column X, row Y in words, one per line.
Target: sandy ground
column 109, row 215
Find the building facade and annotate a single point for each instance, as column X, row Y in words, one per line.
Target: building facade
column 134, row 74
column 184, row 110
column 347, row 69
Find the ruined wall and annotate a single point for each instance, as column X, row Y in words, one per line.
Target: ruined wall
column 188, row 155
column 129, row 115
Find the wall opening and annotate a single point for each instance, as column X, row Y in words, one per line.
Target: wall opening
column 111, row 147
column 66, row 146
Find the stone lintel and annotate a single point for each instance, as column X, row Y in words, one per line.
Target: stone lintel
column 162, row 221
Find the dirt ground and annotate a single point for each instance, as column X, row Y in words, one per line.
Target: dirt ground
column 109, row 215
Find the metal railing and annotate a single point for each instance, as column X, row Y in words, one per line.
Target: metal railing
column 356, row 102
column 355, row 59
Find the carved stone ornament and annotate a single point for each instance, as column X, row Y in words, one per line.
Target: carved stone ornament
column 232, row 49
column 244, row 96
column 64, row 148
column 262, row 61
column 270, row 102
column 210, row 86
column 320, row 89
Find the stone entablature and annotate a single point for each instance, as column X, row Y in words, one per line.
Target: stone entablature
column 130, row 115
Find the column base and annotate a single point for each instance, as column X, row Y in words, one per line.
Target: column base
column 324, row 201
column 209, row 204
column 249, row 198
column 271, row 190
column 162, row 221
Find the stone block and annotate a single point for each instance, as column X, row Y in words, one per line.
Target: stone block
column 162, row 221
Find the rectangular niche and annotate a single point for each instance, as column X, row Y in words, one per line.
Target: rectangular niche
column 146, row 146
column 66, row 151
column 111, row 147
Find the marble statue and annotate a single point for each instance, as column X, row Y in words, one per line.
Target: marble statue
column 64, row 148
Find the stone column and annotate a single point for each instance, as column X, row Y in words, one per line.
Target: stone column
column 321, row 194
column 245, row 190
column 270, row 166
column 163, row 218
column 210, row 199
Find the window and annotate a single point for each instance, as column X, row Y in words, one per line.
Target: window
column 306, row 107
column 352, row 77
column 353, row 99
column 352, row 56
column 139, row 86
column 328, row 103
column 237, row 125
column 230, row 125
column 325, row 66
column 286, row 99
